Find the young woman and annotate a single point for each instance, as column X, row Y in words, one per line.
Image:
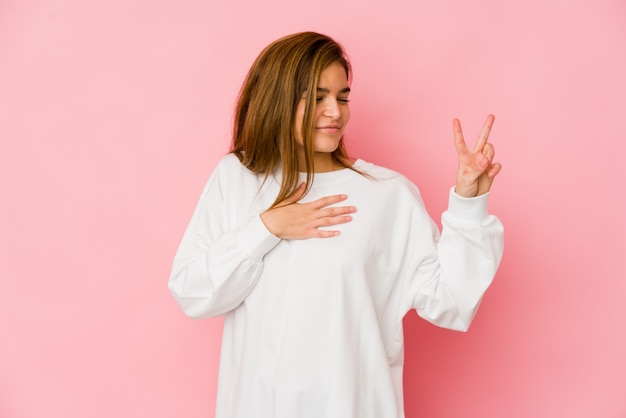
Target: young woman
column 314, row 258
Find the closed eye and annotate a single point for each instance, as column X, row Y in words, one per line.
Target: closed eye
column 340, row 99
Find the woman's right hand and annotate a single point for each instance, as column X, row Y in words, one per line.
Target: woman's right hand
column 292, row 220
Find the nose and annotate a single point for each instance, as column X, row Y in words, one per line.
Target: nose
column 332, row 109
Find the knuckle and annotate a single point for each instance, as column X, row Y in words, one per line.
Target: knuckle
column 335, row 211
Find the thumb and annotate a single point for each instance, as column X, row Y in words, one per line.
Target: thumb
column 486, row 179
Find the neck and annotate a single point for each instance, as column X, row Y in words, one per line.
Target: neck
column 322, row 162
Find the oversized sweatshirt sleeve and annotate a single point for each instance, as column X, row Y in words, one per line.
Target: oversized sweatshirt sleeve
column 220, row 257
column 455, row 273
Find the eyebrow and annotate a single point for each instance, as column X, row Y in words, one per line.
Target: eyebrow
column 325, row 90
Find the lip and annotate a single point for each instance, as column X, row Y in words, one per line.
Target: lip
column 329, row 128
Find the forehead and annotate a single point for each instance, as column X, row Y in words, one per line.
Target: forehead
column 333, row 76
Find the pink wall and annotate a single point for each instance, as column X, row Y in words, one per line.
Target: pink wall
column 113, row 114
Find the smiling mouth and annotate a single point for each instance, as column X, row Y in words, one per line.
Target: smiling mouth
column 330, row 127
column 328, row 130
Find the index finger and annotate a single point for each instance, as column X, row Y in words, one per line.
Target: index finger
column 459, row 141
column 484, row 133
column 322, row 202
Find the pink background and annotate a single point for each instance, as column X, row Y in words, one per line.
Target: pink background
column 114, row 113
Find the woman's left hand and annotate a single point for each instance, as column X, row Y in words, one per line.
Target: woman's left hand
column 476, row 168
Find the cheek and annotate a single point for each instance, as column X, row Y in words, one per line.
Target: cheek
column 319, row 113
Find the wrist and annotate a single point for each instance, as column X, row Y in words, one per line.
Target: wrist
column 266, row 219
column 465, row 191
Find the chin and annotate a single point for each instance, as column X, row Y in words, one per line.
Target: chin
column 327, row 145
column 326, row 150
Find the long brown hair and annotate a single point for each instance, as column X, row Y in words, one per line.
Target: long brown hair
column 264, row 131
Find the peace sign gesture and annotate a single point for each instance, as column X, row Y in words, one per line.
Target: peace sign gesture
column 476, row 170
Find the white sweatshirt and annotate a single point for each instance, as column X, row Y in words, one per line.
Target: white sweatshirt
column 313, row 328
